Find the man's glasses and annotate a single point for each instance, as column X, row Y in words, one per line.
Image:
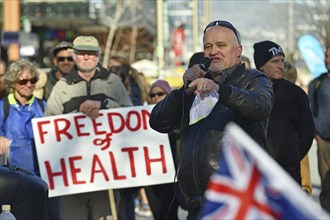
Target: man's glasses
column 225, row 24
column 153, row 95
column 61, row 59
column 25, row 81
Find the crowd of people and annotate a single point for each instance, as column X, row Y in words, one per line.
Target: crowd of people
column 264, row 101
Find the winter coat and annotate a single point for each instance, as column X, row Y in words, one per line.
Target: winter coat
column 291, row 128
column 245, row 97
column 18, row 129
column 71, row 91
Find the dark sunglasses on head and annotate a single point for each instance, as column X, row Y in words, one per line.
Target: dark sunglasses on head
column 61, row 59
column 25, row 81
column 152, row 95
column 225, row 24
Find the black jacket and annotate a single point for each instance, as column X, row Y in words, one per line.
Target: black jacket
column 291, row 127
column 245, row 97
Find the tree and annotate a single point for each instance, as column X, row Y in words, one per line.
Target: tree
column 116, row 21
column 318, row 14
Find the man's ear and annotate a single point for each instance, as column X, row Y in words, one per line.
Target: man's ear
column 239, row 50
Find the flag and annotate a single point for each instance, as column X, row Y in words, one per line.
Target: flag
column 251, row 185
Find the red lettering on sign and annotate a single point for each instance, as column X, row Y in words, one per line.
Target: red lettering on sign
column 97, row 162
column 114, row 168
column 78, row 126
column 145, row 119
column 149, row 161
column 129, row 120
column 63, row 131
column 41, row 131
column 130, row 151
column 75, row 170
column 52, row 174
column 111, row 122
column 95, row 125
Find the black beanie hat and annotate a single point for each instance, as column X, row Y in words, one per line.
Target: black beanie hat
column 195, row 59
column 264, row 51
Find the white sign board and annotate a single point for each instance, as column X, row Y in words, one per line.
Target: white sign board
column 116, row 150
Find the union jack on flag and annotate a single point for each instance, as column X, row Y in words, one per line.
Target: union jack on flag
column 250, row 185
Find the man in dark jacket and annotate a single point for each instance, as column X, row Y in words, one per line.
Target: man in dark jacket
column 244, row 97
column 63, row 62
column 319, row 96
column 291, row 128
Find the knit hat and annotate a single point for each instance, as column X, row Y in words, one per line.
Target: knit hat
column 264, row 51
column 86, row 43
column 162, row 84
column 195, row 59
column 64, row 45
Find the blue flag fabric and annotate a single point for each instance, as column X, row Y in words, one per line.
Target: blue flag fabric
column 251, row 185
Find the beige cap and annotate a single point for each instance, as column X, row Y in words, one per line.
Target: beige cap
column 86, row 43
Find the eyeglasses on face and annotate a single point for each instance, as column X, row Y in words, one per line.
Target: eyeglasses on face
column 159, row 94
column 25, row 81
column 61, row 59
column 225, row 24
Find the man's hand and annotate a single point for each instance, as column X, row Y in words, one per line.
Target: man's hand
column 90, row 108
column 190, row 75
column 203, row 86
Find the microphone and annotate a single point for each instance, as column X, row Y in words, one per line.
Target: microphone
column 205, row 63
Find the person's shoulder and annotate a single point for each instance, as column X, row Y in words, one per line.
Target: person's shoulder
column 254, row 73
column 318, row 78
column 291, row 87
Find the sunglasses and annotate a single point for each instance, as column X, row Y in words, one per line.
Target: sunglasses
column 61, row 59
column 153, row 95
column 225, row 24
column 25, row 81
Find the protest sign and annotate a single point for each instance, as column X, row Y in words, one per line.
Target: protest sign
column 116, row 150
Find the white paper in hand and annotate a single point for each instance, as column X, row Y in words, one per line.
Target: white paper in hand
column 201, row 108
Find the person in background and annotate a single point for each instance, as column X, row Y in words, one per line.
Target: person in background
column 319, row 96
column 244, row 97
column 16, row 135
column 63, row 62
column 2, row 77
column 290, row 73
column 195, row 59
column 165, row 204
column 325, row 192
column 92, row 88
column 246, row 61
column 291, row 128
column 138, row 87
column 133, row 195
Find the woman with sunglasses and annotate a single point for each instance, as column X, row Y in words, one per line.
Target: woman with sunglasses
column 16, row 135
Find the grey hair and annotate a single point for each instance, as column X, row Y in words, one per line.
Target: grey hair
column 15, row 70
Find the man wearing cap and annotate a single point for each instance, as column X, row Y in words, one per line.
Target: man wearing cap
column 87, row 88
column 63, row 62
column 242, row 96
column 291, row 128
